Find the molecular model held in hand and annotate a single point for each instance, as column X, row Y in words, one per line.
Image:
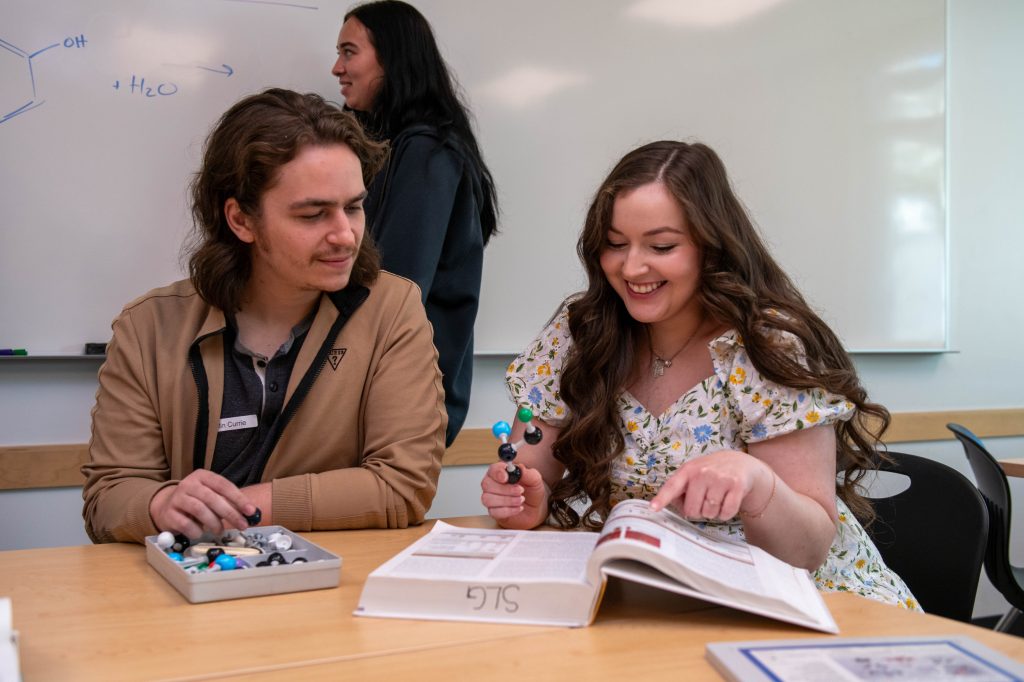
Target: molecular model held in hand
column 508, row 451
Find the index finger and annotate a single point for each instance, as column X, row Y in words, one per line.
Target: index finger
column 673, row 489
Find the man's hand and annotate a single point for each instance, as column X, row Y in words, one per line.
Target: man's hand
column 202, row 501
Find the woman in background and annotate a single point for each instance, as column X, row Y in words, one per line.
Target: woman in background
column 693, row 374
column 433, row 208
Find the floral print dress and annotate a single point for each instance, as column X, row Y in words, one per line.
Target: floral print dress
column 728, row 410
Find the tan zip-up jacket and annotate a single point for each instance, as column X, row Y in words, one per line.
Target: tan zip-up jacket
column 361, row 434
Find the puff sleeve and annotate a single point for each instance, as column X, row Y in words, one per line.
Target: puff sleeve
column 533, row 378
column 766, row 409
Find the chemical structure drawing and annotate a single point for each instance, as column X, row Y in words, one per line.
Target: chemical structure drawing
column 17, row 76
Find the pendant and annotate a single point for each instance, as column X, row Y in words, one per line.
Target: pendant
column 658, row 366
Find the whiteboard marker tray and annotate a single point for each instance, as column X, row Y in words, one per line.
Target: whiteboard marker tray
column 321, row 569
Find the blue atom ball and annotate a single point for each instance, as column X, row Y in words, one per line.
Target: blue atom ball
column 501, row 429
column 226, row 562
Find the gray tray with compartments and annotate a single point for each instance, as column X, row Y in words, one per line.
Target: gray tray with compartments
column 321, row 570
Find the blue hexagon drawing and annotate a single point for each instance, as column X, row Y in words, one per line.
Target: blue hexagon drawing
column 17, row 82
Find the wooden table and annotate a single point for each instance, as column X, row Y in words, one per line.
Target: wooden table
column 1013, row 467
column 101, row 612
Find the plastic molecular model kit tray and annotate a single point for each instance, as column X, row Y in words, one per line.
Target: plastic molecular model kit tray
column 258, row 561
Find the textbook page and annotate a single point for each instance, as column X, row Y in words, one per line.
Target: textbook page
column 692, row 562
column 507, row 576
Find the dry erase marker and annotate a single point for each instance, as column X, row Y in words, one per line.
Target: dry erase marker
column 13, row 351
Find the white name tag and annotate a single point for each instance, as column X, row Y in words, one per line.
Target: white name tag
column 235, row 423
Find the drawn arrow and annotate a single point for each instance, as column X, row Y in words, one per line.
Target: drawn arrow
column 227, row 70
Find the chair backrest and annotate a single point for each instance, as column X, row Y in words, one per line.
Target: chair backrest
column 991, row 481
column 933, row 534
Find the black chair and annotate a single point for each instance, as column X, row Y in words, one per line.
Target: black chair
column 991, row 480
column 933, row 534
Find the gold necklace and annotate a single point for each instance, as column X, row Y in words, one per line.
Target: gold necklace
column 658, row 363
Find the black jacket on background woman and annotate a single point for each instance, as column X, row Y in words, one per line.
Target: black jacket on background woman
column 423, row 210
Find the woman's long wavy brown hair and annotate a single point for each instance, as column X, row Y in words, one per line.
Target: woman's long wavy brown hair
column 242, row 159
column 740, row 282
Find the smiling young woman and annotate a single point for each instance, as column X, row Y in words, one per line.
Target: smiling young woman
column 692, row 373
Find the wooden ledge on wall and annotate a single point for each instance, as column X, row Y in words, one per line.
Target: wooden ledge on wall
column 58, row 466
column 42, row 466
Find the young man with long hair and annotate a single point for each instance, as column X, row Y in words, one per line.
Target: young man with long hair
column 287, row 373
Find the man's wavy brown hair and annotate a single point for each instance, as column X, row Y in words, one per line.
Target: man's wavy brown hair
column 242, row 159
column 740, row 283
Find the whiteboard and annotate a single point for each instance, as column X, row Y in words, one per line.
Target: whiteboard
column 830, row 116
column 95, row 167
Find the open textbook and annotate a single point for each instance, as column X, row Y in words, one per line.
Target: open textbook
column 558, row 577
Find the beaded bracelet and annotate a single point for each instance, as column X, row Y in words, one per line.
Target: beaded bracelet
column 759, row 512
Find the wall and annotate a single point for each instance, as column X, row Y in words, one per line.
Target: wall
column 49, row 402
